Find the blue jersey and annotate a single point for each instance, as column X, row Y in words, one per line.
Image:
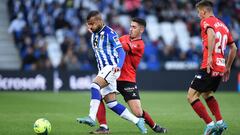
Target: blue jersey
column 104, row 44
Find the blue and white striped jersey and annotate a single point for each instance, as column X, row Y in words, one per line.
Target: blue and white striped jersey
column 104, row 44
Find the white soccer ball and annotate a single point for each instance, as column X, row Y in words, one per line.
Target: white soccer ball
column 42, row 126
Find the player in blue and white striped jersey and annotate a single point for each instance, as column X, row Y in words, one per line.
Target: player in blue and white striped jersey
column 110, row 57
column 105, row 44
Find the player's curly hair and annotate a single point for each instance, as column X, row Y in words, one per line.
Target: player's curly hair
column 93, row 14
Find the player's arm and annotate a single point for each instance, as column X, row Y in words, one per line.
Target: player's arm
column 127, row 47
column 121, row 55
column 114, row 40
column 211, row 44
column 230, row 58
column 125, row 43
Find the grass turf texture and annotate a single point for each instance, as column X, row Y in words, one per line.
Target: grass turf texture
column 19, row 110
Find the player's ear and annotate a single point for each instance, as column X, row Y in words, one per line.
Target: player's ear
column 142, row 29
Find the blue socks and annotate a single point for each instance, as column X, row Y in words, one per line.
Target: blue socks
column 95, row 100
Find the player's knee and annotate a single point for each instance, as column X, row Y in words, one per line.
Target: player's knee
column 138, row 112
column 206, row 95
column 190, row 98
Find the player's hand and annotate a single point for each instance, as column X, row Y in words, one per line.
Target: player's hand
column 209, row 65
column 226, row 75
column 88, row 28
column 116, row 69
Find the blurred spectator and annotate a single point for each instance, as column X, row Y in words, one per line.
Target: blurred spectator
column 29, row 59
column 70, row 60
column 172, row 32
column 16, row 27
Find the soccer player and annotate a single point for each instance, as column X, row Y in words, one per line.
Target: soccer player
column 133, row 45
column 110, row 57
column 215, row 36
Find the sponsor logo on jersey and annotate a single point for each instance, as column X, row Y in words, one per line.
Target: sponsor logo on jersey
column 102, row 35
column 214, row 73
column 116, row 40
column 220, row 62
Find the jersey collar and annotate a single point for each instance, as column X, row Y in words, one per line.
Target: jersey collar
column 101, row 29
column 134, row 39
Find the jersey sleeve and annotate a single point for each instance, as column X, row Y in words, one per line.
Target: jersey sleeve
column 205, row 24
column 125, row 43
column 131, row 47
column 114, row 39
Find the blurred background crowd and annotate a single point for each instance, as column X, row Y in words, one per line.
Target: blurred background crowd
column 52, row 33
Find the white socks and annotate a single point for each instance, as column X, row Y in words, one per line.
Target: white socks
column 129, row 116
column 94, row 104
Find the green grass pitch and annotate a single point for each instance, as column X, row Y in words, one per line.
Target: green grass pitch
column 19, row 110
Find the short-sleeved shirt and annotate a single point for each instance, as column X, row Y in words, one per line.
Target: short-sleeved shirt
column 223, row 38
column 134, row 51
column 104, row 44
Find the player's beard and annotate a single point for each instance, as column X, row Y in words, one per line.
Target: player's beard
column 98, row 28
column 132, row 36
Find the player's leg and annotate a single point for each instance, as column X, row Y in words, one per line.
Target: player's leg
column 212, row 105
column 123, row 112
column 99, row 82
column 101, row 117
column 199, row 108
column 118, row 108
column 135, row 106
column 215, row 109
column 201, row 83
column 109, row 95
column 130, row 93
column 96, row 97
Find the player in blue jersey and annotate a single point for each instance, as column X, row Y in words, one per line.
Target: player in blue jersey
column 110, row 57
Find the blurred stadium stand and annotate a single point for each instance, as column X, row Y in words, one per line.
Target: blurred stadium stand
column 42, row 35
column 9, row 55
column 52, row 33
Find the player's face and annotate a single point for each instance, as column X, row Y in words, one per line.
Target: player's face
column 135, row 30
column 94, row 24
column 201, row 13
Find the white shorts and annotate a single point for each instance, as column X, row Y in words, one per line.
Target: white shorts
column 108, row 74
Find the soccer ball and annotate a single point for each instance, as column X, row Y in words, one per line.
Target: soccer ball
column 42, row 126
